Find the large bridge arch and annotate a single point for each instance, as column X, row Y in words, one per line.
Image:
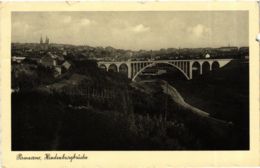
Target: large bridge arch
column 112, row 68
column 150, row 65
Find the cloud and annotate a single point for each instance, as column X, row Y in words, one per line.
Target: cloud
column 140, row 28
column 67, row 19
column 86, row 22
column 16, row 24
column 199, row 30
column 20, row 26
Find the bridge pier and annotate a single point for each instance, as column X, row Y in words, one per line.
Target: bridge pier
column 200, row 69
column 129, row 72
column 190, row 71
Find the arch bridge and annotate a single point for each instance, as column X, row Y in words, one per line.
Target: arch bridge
column 189, row 68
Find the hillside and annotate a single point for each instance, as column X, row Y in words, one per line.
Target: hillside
column 213, row 132
column 113, row 114
column 224, row 94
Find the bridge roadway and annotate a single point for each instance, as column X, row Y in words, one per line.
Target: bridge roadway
column 189, row 68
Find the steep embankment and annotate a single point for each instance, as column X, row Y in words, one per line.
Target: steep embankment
column 224, row 94
column 216, row 126
column 147, row 86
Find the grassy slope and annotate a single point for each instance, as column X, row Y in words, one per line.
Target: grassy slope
column 127, row 121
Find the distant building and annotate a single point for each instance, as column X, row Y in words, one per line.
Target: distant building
column 207, row 55
column 228, row 49
column 64, row 53
column 34, row 58
column 18, row 59
column 57, row 71
column 49, row 60
column 57, row 63
column 66, row 65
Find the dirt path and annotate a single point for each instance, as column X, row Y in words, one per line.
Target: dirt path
column 175, row 95
column 218, row 127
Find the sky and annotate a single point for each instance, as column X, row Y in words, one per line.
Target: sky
column 148, row 30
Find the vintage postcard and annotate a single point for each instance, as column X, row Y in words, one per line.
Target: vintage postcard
column 129, row 84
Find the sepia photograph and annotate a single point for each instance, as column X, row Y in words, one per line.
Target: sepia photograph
column 130, row 80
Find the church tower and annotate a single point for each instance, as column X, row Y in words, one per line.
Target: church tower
column 41, row 41
column 47, row 40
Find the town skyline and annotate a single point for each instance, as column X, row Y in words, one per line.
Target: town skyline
column 50, row 43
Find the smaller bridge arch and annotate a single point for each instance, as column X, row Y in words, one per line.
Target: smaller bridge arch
column 112, row 68
column 196, row 69
column 154, row 63
column 103, row 66
column 215, row 65
column 123, row 68
column 205, row 67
